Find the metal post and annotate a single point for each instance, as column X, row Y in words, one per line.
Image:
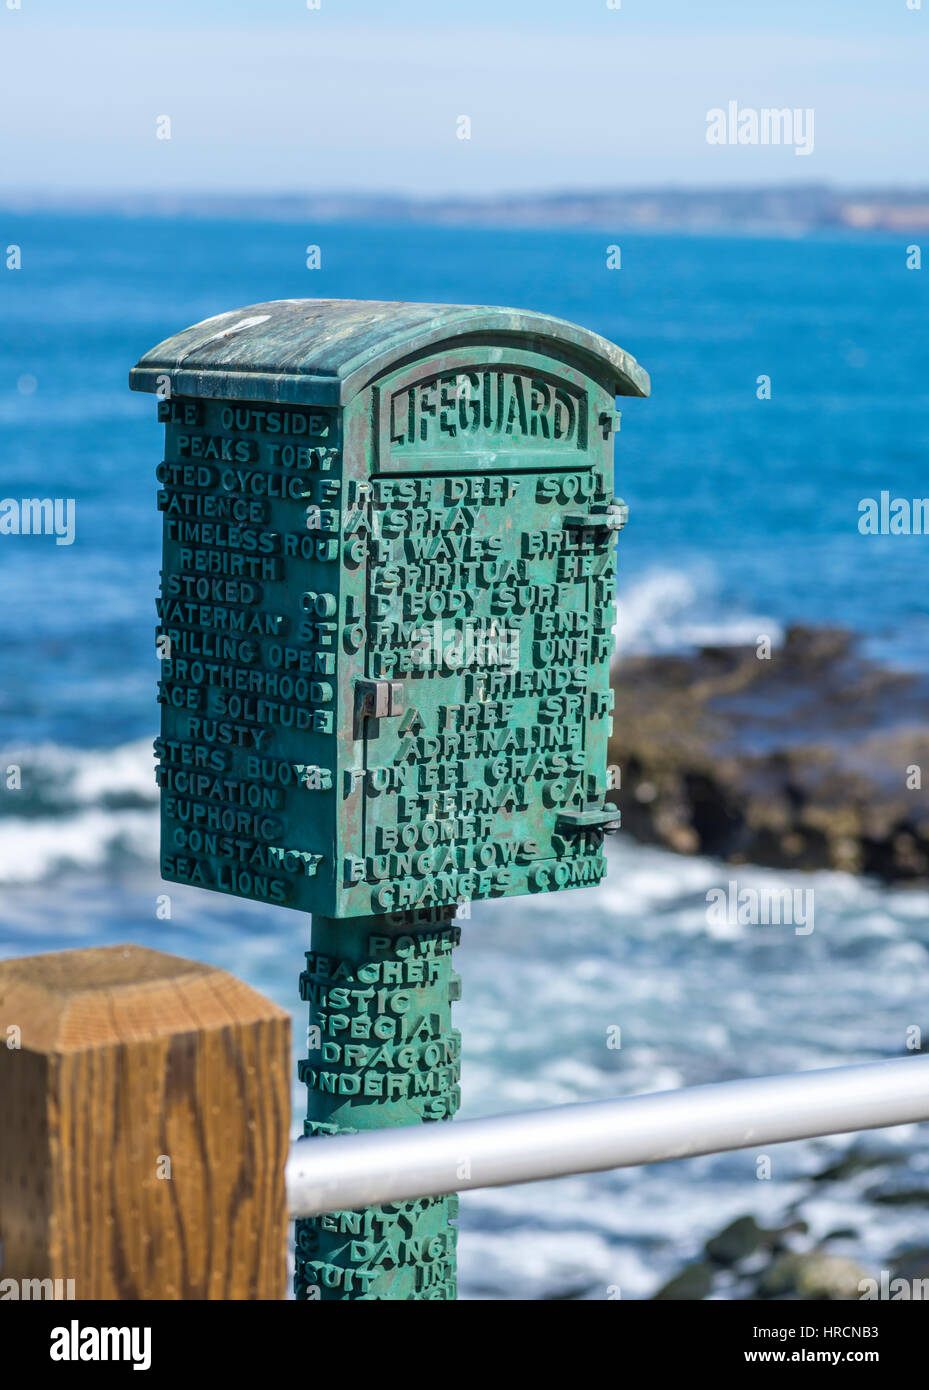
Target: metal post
column 381, row 1051
column 385, row 676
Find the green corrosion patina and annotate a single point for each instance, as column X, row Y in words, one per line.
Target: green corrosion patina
column 382, row 1051
column 385, row 631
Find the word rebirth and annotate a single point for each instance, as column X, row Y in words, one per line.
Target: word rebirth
column 38, row 516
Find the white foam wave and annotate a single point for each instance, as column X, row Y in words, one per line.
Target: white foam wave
column 86, row 776
column 670, row 610
column 99, row 803
column 32, row 850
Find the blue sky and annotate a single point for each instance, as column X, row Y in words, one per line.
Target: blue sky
column 268, row 95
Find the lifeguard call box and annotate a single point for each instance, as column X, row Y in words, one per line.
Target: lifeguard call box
column 386, row 604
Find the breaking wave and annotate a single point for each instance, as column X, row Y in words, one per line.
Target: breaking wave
column 75, row 808
column 673, row 610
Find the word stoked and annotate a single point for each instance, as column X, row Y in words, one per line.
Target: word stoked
column 76, row 1343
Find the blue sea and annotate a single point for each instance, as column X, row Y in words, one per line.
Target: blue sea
column 744, row 518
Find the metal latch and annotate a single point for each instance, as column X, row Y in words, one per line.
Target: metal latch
column 605, row 818
column 378, row 699
column 611, row 517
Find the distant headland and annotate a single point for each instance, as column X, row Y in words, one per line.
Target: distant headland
column 786, row 209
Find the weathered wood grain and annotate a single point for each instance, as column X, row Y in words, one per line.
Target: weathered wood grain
column 144, row 1124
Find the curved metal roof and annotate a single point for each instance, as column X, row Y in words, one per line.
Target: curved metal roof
column 323, row 351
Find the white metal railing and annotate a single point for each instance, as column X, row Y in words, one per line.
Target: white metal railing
column 390, row 1165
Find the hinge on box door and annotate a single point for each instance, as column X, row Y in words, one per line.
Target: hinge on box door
column 611, row 517
column 378, row 699
column 604, row 818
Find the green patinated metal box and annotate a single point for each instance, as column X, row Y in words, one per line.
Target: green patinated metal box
column 387, row 602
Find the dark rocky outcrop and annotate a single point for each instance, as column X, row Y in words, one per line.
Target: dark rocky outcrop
column 746, row 1260
column 803, row 760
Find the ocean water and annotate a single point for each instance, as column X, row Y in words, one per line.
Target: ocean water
column 743, row 519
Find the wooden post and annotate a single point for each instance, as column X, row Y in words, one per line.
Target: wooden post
column 144, row 1127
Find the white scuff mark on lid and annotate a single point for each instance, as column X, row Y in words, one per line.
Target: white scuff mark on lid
column 214, row 317
column 238, row 327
